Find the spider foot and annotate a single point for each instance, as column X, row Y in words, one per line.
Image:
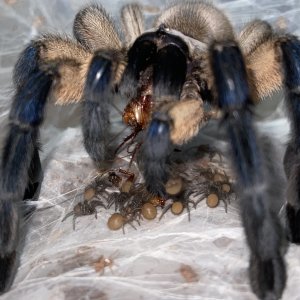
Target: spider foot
column 267, row 277
column 7, row 270
column 9, row 235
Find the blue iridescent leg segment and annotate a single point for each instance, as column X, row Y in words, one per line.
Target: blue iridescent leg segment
column 95, row 117
column 264, row 233
column 20, row 166
column 155, row 153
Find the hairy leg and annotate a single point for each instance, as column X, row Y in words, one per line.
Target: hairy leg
column 39, row 72
column 264, row 233
column 95, row 29
column 257, row 42
column 20, row 165
column 133, row 22
column 290, row 55
column 95, row 114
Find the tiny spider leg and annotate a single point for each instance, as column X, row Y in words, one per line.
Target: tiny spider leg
column 69, row 214
column 290, row 52
column 263, row 230
column 20, row 165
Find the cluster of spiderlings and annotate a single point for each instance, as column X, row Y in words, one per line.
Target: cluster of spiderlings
column 200, row 179
column 97, row 190
column 221, row 190
column 119, row 199
column 138, row 204
column 201, row 182
column 203, row 178
column 130, row 206
column 208, row 184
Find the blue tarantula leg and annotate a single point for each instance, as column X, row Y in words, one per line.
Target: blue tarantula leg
column 170, row 68
column 265, row 235
column 95, row 117
column 35, row 176
column 155, row 153
column 35, row 179
column 20, row 165
column 290, row 53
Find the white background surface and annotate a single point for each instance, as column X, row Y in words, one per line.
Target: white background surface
column 56, row 263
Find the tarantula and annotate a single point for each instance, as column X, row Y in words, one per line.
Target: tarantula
column 190, row 64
